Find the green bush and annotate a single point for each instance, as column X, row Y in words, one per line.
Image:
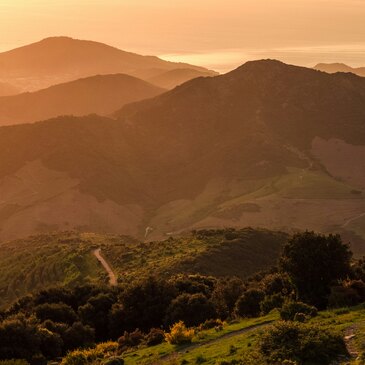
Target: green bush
column 271, row 302
column 301, row 343
column 290, row 309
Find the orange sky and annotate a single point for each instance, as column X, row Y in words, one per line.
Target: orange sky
column 214, row 33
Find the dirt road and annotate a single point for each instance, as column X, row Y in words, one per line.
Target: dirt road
column 112, row 277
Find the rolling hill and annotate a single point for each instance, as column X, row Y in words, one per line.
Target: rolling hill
column 101, row 94
column 340, row 67
column 268, row 145
column 66, row 258
column 57, row 60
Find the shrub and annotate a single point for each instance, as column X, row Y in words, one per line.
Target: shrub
column 271, row 302
column 348, row 294
column 76, row 357
column 301, row 343
column 81, row 357
column 211, row 323
column 248, row 305
column 131, row 339
column 155, row 337
column 290, row 309
column 106, row 349
column 179, row 334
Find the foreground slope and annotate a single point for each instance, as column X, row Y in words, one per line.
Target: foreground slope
column 267, row 145
column 60, row 59
column 101, row 94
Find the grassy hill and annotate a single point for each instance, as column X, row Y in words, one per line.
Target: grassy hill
column 67, row 259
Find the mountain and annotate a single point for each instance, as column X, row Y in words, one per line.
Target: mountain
column 340, row 67
column 268, row 145
column 57, row 60
column 101, row 94
column 173, row 78
column 7, row 89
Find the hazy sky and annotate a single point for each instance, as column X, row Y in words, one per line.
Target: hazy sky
column 214, row 33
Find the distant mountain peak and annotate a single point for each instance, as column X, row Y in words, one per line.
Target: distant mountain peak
column 262, row 65
column 55, row 60
column 339, row 67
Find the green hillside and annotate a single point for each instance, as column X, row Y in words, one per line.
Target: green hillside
column 67, row 258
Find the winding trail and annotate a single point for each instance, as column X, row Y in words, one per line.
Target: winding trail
column 112, row 277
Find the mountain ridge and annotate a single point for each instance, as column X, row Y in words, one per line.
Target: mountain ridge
column 100, row 94
column 340, row 67
column 55, row 60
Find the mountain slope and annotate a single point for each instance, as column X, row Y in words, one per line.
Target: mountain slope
column 340, row 67
column 7, row 89
column 258, row 146
column 101, row 94
column 60, row 59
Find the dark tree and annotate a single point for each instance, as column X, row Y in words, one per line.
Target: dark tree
column 313, row 262
column 248, row 305
column 145, row 303
column 56, row 312
column 192, row 309
column 95, row 313
column 225, row 295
